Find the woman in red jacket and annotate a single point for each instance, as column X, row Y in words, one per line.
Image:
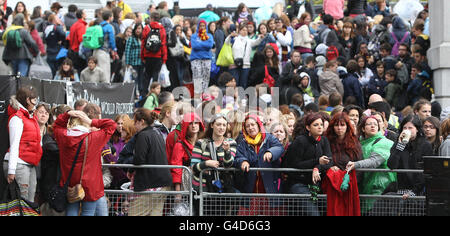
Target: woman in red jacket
column 25, row 149
column 345, row 147
column 70, row 129
column 182, row 151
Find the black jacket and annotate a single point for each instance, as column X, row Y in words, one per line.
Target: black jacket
column 410, row 158
column 150, row 150
column 50, row 170
column 356, row 6
column 304, row 153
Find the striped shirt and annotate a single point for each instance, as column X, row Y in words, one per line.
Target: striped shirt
column 201, row 153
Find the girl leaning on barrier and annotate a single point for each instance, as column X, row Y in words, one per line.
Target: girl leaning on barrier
column 214, row 150
column 309, row 150
column 407, row 153
column 345, row 147
column 376, row 151
column 191, row 126
column 259, row 150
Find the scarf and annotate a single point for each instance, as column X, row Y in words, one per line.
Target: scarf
column 203, row 35
column 253, row 141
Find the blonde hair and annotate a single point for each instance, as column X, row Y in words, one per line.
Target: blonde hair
column 286, row 129
column 235, row 121
column 75, row 121
column 168, row 106
column 178, row 19
column 278, row 9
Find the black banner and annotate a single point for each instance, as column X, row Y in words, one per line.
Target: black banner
column 8, row 87
column 114, row 99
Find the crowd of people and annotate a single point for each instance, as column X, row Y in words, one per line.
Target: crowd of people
column 332, row 93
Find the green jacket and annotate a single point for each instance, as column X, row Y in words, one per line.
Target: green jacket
column 375, row 183
column 392, row 91
column 152, row 102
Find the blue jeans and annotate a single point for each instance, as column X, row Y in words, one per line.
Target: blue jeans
column 241, row 76
column 21, row 65
column 180, row 66
column 309, row 206
column 95, row 208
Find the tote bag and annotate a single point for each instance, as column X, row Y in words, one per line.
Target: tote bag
column 225, row 57
column 12, row 203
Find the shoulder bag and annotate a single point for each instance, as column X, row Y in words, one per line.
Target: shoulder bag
column 76, row 193
column 57, row 196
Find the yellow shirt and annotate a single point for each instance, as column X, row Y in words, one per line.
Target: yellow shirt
column 126, row 9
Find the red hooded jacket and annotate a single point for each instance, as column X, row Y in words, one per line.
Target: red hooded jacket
column 92, row 175
column 163, row 36
column 180, row 155
column 77, row 31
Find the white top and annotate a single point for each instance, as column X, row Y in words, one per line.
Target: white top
column 15, row 134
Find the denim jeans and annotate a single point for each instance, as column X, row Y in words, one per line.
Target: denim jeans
column 20, row 65
column 241, row 76
column 307, row 205
column 95, row 208
column 180, row 66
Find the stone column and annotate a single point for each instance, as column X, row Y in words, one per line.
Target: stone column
column 439, row 52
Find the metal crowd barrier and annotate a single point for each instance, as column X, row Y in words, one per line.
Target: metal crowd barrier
column 127, row 202
column 251, row 204
column 164, row 202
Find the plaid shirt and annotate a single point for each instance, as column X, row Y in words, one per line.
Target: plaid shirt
column 133, row 52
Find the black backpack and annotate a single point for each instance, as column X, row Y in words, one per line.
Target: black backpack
column 153, row 41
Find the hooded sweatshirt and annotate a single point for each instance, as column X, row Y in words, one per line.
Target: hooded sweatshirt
column 399, row 30
column 182, row 150
column 162, row 53
column 201, row 49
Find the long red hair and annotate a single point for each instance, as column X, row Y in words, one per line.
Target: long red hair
column 350, row 143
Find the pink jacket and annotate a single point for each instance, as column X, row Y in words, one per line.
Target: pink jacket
column 335, row 8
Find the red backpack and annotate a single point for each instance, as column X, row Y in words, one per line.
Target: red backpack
column 332, row 53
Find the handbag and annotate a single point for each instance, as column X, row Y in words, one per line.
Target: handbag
column 268, row 79
column 76, row 193
column 57, row 196
column 178, row 49
column 239, row 62
column 12, row 204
